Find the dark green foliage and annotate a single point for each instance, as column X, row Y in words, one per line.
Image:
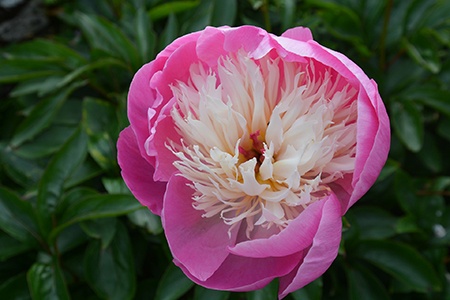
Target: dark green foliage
column 70, row 229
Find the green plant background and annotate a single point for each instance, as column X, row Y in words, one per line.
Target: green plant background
column 69, row 227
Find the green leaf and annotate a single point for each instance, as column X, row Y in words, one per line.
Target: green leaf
column 104, row 35
column 288, row 14
column 87, row 68
column 70, row 113
column 363, row 284
column 173, row 284
column 405, row 192
column 429, row 212
column 402, row 262
column 40, row 86
column 95, row 207
column 145, row 37
column 17, row 218
column 223, row 12
column 40, row 117
column 437, row 14
column 115, row 186
column 85, row 171
column 100, row 123
column 312, row 291
column 406, row 224
column 430, row 154
column 145, row 219
column 165, row 9
column 201, row 293
column 46, row 281
column 75, row 195
column 102, row 229
column 433, row 97
column 402, row 75
column 408, row 124
column 374, row 223
column 24, row 172
column 11, row 247
column 58, row 171
column 15, row 288
column 21, row 69
column 441, row 183
column 422, row 53
column 70, row 238
column 111, row 272
column 415, row 17
column 46, row 49
column 45, row 143
column 344, row 23
column 444, row 128
column 200, row 17
column 389, row 168
column 170, row 32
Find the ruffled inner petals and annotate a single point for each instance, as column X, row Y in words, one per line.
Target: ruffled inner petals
column 255, row 158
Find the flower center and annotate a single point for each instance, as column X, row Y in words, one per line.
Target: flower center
column 256, row 150
column 262, row 139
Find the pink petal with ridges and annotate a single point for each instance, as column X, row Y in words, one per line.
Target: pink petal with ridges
column 297, row 236
column 140, row 99
column 251, row 39
column 215, row 43
column 369, row 169
column 138, row 173
column 323, row 251
column 143, row 96
column 302, row 34
column 373, row 137
column 207, row 44
column 200, row 244
column 178, row 42
column 242, row 274
column 176, row 68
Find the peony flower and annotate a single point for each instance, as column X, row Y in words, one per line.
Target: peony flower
column 251, row 147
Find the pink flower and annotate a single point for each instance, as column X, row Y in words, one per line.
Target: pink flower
column 251, row 147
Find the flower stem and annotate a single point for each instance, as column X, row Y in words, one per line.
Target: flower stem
column 265, row 11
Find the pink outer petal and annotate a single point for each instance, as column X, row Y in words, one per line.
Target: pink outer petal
column 140, row 100
column 297, row 236
column 241, row 274
column 298, row 33
column 199, row 244
column 367, row 171
column 138, row 173
column 207, row 45
column 373, row 135
column 191, row 37
column 323, row 251
column 143, row 99
column 251, row 39
column 162, row 129
column 176, row 68
column 215, row 43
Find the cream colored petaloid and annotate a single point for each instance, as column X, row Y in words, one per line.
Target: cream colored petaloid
column 262, row 139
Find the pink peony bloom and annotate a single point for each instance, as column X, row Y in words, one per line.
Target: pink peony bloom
column 251, row 147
